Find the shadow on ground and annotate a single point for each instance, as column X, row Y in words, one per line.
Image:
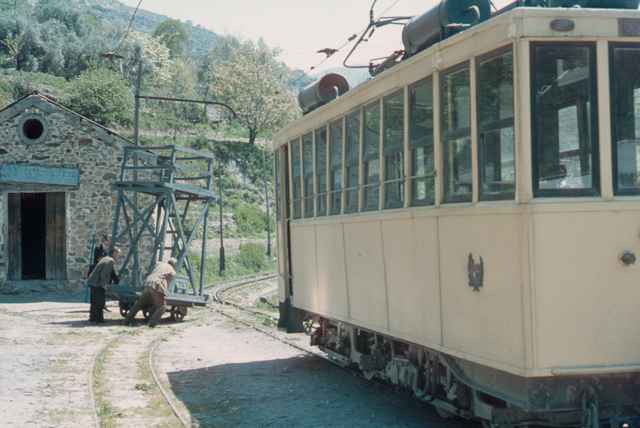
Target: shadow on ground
column 41, row 297
column 302, row 391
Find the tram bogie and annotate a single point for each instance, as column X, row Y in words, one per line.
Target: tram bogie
column 466, row 224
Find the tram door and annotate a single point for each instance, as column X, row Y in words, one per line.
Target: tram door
column 283, row 217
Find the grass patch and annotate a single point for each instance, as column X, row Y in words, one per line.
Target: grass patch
column 158, row 407
column 105, row 411
column 250, row 260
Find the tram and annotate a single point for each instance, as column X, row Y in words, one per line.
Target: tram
column 467, row 223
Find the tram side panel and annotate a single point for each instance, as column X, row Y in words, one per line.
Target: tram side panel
column 585, row 295
column 303, row 263
column 331, row 292
column 485, row 322
column 411, row 265
column 365, row 274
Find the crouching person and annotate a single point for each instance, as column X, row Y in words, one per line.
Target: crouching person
column 155, row 290
column 102, row 275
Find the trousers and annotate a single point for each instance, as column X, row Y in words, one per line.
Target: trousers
column 152, row 299
column 97, row 304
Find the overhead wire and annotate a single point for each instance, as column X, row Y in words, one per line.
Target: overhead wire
column 351, row 38
column 129, row 26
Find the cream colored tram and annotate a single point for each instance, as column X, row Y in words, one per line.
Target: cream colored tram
column 467, row 223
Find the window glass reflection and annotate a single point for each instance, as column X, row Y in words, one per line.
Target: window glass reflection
column 565, row 146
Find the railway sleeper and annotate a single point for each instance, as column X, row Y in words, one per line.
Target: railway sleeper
column 459, row 388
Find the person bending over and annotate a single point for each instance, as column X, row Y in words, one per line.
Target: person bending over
column 156, row 286
column 100, row 277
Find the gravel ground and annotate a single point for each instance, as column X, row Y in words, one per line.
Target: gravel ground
column 228, row 374
column 219, row 373
column 45, row 362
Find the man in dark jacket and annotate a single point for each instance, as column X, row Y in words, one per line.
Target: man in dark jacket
column 102, row 275
column 99, row 252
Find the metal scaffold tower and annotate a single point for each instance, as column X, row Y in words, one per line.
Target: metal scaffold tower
column 163, row 199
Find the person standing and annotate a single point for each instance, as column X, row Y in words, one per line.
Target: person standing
column 99, row 252
column 156, row 286
column 101, row 276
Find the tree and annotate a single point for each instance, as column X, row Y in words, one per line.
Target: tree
column 254, row 83
column 103, row 96
column 155, row 56
column 174, row 35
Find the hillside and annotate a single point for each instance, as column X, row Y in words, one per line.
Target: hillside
column 118, row 14
column 63, row 48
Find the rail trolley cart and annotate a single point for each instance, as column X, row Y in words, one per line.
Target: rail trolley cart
column 163, row 199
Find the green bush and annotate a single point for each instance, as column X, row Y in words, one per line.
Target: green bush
column 252, row 257
column 250, row 220
column 103, row 96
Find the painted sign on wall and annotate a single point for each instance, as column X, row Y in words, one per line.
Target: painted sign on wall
column 35, row 174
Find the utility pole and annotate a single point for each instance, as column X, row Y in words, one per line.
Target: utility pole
column 136, row 140
column 221, row 261
column 266, row 201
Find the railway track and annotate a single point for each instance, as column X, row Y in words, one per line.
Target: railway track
column 223, row 294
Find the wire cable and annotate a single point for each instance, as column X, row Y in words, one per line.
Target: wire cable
column 384, row 12
column 129, row 27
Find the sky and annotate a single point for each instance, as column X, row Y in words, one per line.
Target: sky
column 298, row 27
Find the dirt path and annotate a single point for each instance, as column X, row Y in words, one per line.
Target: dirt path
column 125, row 391
column 45, row 364
column 227, row 374
column 47, row 367
column 217, row 372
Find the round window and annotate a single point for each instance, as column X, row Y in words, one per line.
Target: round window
column 33, row 129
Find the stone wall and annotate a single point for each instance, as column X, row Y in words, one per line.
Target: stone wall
column 70, row 141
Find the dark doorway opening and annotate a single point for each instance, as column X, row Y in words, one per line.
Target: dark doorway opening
column 34, row 235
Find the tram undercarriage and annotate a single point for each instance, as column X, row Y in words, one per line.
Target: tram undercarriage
column 460, row 388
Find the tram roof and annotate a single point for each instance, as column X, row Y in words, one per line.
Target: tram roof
column 521, row 22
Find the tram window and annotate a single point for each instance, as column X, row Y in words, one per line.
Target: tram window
column 321, row 171
column 456, row 135
column 371, row 157
column 496, row 127
column 352, row 159
column 625, row 99
column 421, row 142
column 308, row 175
column 393, row 147
column 565, row 117
column 296, row 172
column 335, row 167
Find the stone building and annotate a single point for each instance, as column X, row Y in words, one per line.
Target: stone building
column 56, row 171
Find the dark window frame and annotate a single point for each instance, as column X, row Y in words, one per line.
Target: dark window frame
column 497, row 125
column 595, row 189
column 614, row 138
column 367, row 186
column 319, row 194
column 306, row 211
column 457, row 134
column 338, row 191
column 413, row 178
column 350, row 190
column 296, row 142
column 384, row 155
